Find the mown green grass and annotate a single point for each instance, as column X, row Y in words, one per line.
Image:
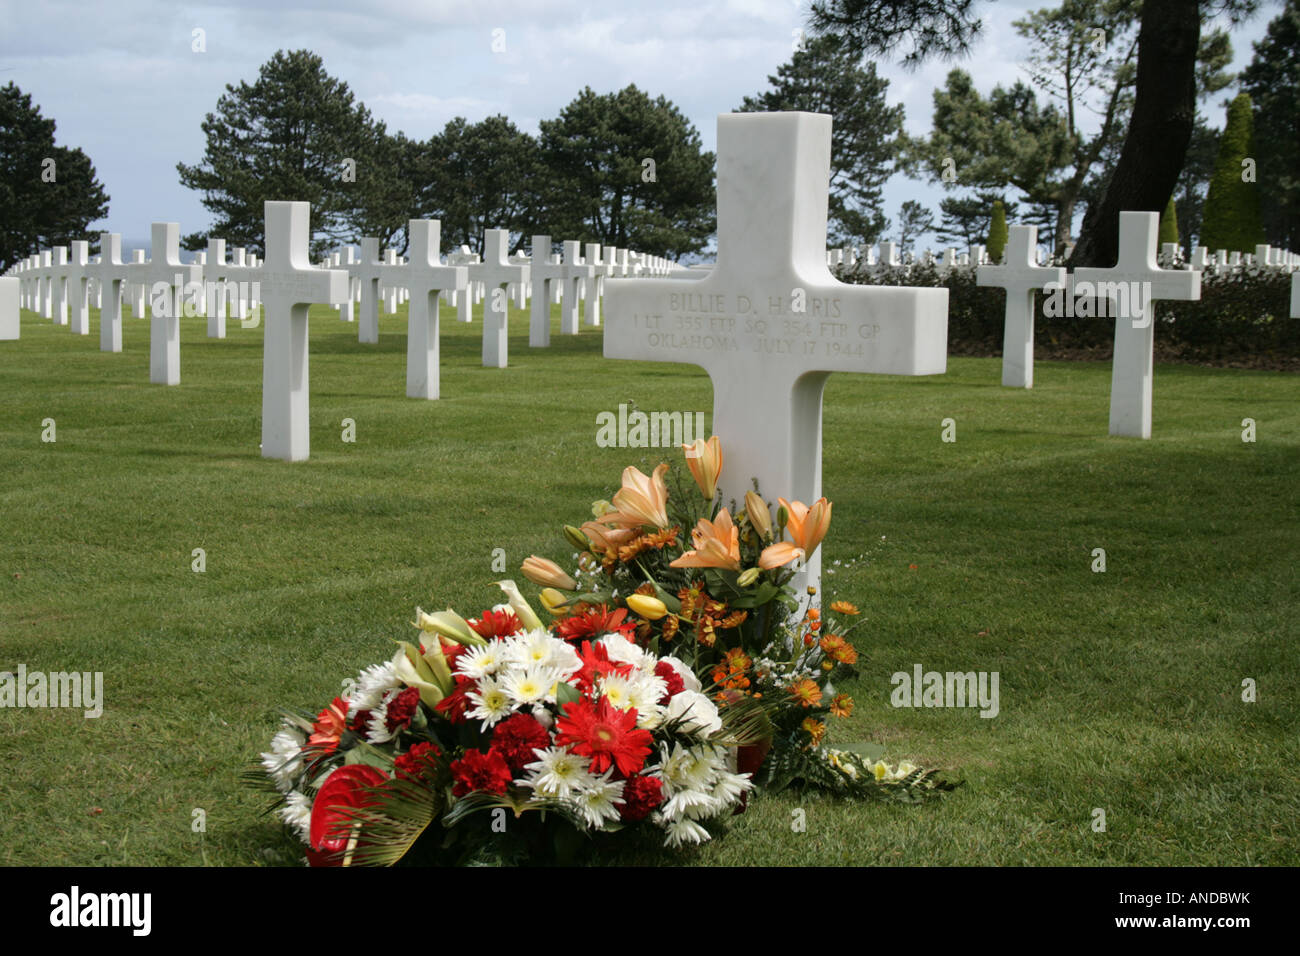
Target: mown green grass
column 1119, row 690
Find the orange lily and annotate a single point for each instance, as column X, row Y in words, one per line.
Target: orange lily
column 606, row 539
column 704, row 458
column 717, row 544
column 778, row 555
column 807, row 525
column 643, row 499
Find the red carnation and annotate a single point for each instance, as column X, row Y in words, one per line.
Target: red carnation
column 495, row 624
column 640, row 796
column 516, row 737
column 595, row 622
column 346, row 788
column 454, row 705
column 358, row 725
column 402, row 708
column 420, row 759
column 607, row 735
column 480, row 771
column 673, row 679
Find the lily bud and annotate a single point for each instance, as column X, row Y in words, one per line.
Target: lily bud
column 759, row 514
column 704, row 458
column 601, row 508
column 527, row 616
column 652, row 609
column 547, row 573
column 449, row 624
column 553, row 601
column 576, row 538
column 749, row 576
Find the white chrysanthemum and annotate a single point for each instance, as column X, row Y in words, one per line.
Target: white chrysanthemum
column 481, row 661
column 530, row 685
column 281, row 762
column 597, row 800
column 557, row 774
column 672, row 760
column 615, row 689
column 695, row 804
column 685, row 831
column 564, row 657
column 536, row 648
column 377, row 731
column 372, row 684
column 729, row 786
column 491, row 701
column 296, row 812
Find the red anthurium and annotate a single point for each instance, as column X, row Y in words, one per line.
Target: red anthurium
column 346, row 788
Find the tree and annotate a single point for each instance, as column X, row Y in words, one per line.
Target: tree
column 1194, row 182
column 1273, row 81
column 966, row 220
column 997, row 233
column 1164, row 106
column 1232, row 204
column 385, row 194
column 294, row 134
column 825, row 77
column 1169, row 223
column 913, row 220
column 49, row 194
column 626, row 170
column 480, row 176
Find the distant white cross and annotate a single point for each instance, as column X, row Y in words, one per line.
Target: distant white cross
column 112, row 274
column 1020, row 276
column 290, row 285
column 1138, row 278
column 425, row 277
column 165, row 266
column 496, row 272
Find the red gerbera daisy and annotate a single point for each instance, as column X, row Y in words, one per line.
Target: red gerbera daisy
column 480, row 771
column 492, row 624
column 596, row 662
column 594, row 622
column 607, row 735
column 516, row 737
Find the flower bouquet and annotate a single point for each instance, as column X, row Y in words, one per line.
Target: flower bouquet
column 498, row 738
column 712, row 583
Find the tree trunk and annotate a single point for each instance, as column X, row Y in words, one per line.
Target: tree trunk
column 1164, row 112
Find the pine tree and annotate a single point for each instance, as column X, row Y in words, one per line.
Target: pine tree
column 48, row 194
column 997, row 233
column 1232, row 206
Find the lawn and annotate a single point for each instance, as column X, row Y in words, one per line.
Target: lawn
column 1120, row 691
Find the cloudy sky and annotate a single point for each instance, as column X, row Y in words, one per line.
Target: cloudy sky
column 123, row 82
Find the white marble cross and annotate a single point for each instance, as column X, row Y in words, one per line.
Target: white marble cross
column 595, row 286
column 77, row 287
column 426, row 277
column 367, row 272
column 576, row 273
column 1137, row 278
column 496, row 272
column 139, row 286
column 1020, row 276
column 9, row 287
column 58, row 272
column 1295, row 295
column 214, row 273
column 545, row 276
column 290, row 285
column 165, row 266
column 112, row 274
column 770, row 323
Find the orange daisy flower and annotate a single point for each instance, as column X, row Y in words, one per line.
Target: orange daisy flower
column 844, row 607
column 806, row 692
column 842, row 705
column 815, row 728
